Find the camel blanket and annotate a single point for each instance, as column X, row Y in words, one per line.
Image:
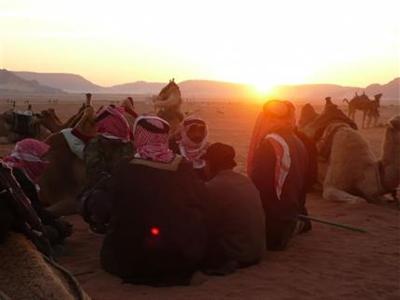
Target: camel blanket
column 23, row 124
column 330, row 115
column 75, row 144
column 324, row 144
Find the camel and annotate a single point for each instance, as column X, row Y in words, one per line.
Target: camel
column 26, row 274
column 65, row 176
column 359, row 176
column 52, row 122
column 370, row 108
column 168, row 104
column 15, row 126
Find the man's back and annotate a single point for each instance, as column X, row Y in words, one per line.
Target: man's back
column 239, row 214
column 158, row 225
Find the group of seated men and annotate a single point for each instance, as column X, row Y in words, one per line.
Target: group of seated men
column 170, row 203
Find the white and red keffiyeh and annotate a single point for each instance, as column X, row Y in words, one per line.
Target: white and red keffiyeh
column 189, row 149
column 112, row 124
column 28, row 155
column 283, row 161
column 152, row 144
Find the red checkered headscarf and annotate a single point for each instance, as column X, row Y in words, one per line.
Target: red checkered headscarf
column 112, row 124
column 27, row 155
column 151, row 139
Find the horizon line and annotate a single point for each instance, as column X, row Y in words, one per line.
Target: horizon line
column 202, row 79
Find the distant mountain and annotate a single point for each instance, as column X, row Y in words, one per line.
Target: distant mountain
column 138, row 87
column 68, row 82
column 202, row 89
column 13, row 84
column 390, row 91
column 191, row 88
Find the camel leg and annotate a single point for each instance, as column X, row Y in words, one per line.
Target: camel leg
column 352, row 114
column 369, row 186
column 363, row 120
column 369, row 121
column 336, row 195
column 376, row 122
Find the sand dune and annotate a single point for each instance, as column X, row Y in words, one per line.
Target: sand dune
column 327, row 263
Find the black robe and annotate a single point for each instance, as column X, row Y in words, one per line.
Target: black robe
column 157, row 234
column 281, row 214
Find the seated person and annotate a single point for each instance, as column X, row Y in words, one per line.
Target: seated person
column 26, row 165
column 191, row 142
column 238, row 230
column 111, row 144
column 157, row 234
column 278, row 165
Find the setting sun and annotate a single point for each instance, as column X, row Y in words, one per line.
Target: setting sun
column 256, row 42
column 263, row 88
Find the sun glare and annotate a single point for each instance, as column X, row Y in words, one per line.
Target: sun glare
column 263, row 89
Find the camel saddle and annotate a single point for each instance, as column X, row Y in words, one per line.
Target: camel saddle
column 331, row 114
column 17, row 211
column 325, row 142
column 24, row 125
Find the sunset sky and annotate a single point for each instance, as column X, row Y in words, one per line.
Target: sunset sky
column 258, row 42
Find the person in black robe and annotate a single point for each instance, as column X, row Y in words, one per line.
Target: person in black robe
column 278, row 164
column 158, row 229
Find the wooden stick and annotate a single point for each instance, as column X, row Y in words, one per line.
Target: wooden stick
column 303, row 217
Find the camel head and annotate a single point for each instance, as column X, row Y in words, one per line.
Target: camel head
column 394, row 123
column 49, row 121
column 378, row 97
column 168, row 89
column 328, row 103
column 390, row 157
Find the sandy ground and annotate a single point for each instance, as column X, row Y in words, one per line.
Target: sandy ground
column 327, row 263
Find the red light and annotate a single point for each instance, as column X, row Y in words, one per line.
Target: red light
column 155, row 231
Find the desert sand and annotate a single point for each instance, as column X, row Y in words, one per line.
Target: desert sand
column 326, row 263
